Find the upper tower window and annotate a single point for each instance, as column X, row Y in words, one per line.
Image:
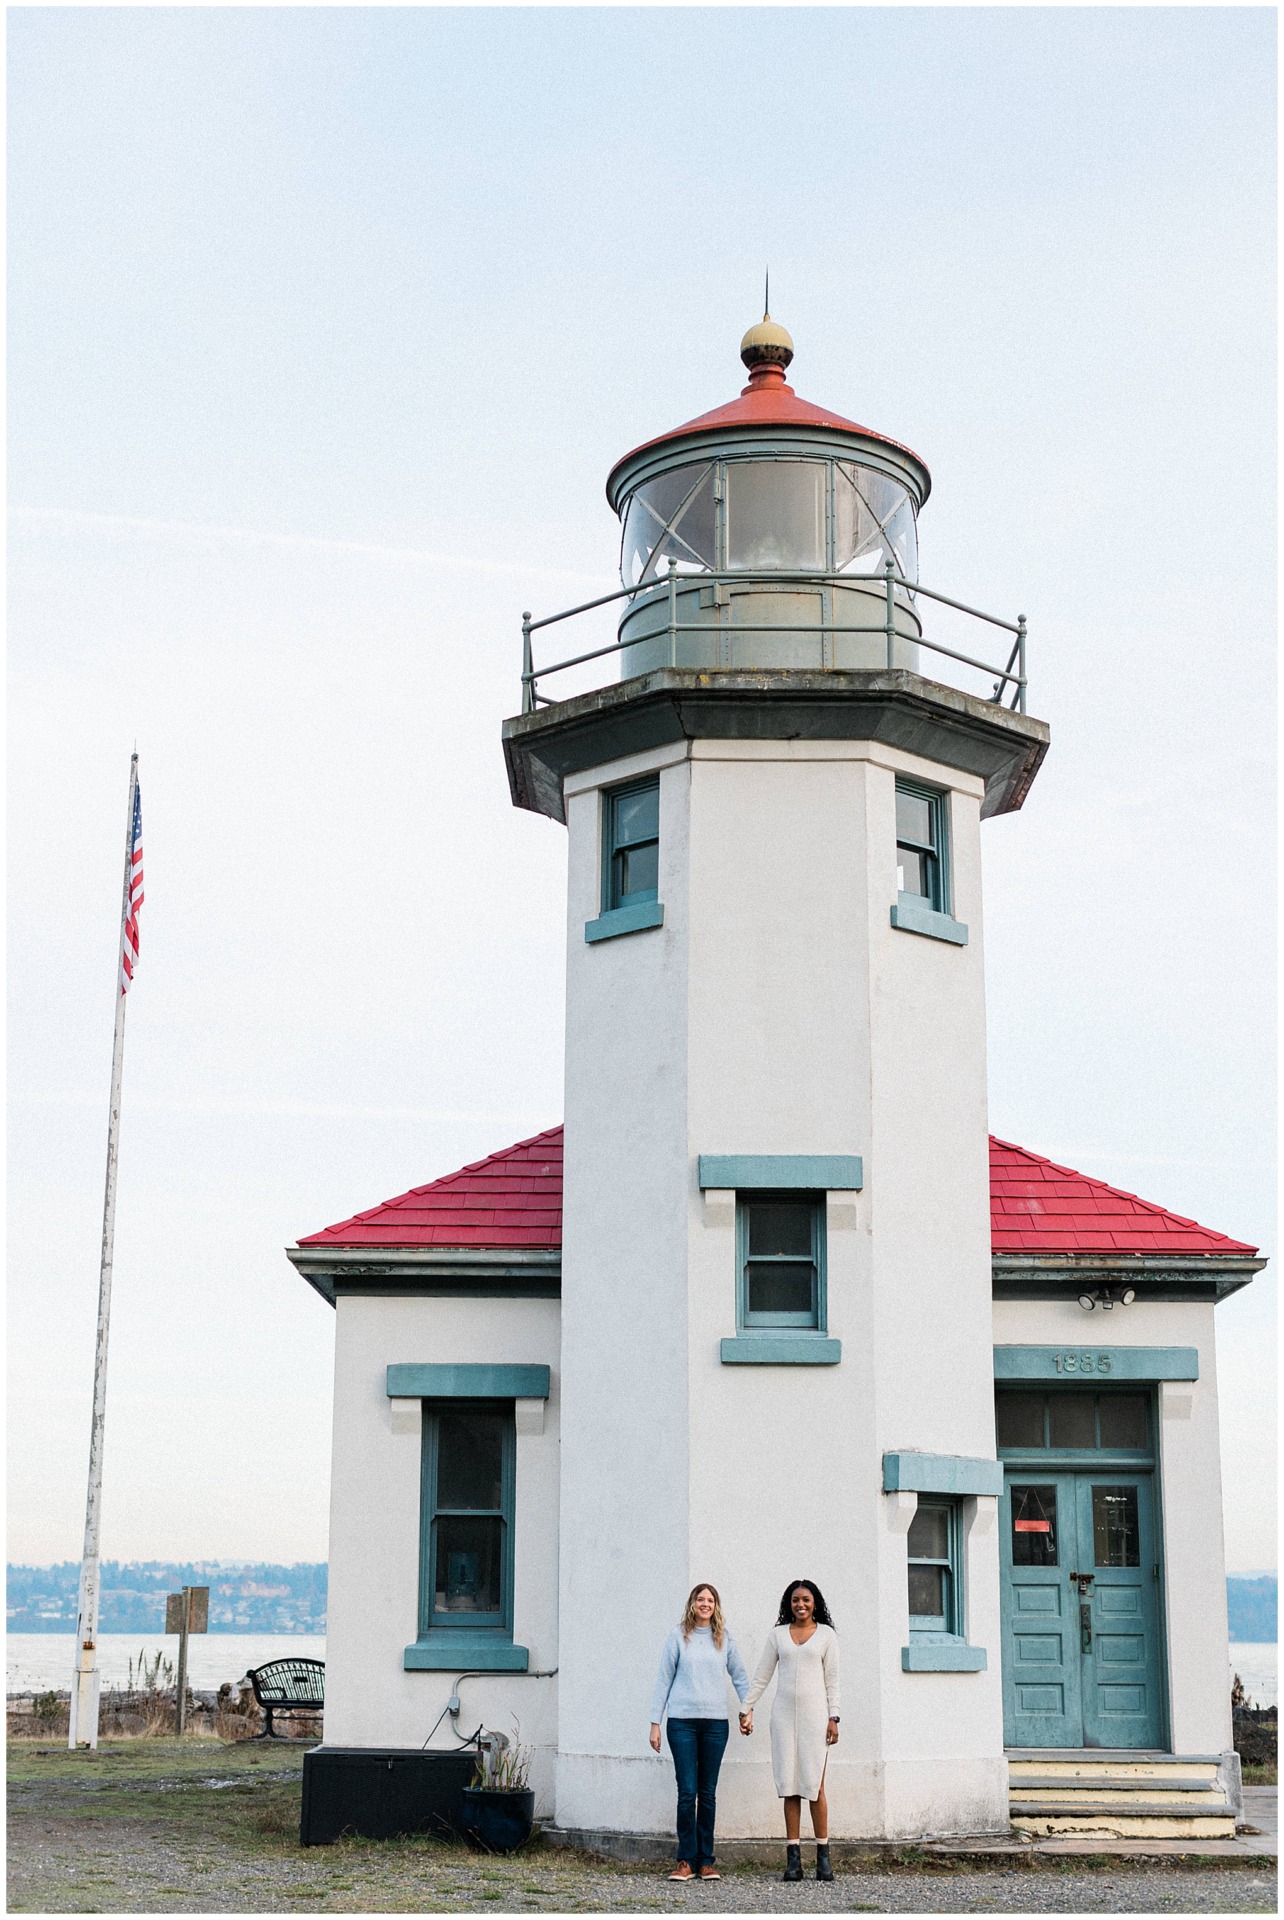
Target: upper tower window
column 670, row 517
column 632, row 845
column 873, row 523
column 920, row 845
column 796, row 514
column 775, row 513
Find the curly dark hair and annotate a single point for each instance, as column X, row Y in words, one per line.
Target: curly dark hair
column 786, row 1614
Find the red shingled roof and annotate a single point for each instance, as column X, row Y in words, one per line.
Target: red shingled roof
column 1039, row 1207
column 766, row 402
column 511, row 1199
column 514, row 1199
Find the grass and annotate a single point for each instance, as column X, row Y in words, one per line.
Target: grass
column 197, row 1825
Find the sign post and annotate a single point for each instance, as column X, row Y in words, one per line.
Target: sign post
column 185, row 1612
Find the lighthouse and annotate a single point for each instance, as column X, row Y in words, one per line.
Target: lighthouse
column 768, row 1303
column 776, row 1238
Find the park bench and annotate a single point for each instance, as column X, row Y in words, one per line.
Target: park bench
column 287, row 1686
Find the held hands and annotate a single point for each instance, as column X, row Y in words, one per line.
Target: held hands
column 831, row 1734
column 746, row 1721
column 655, row 1736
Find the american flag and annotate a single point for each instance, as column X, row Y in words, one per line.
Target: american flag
column 129, row 933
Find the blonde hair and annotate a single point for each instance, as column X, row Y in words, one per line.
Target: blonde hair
column 717, row 1625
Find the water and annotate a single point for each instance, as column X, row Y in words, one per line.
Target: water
column 1256, row 1663
column 39, row 1662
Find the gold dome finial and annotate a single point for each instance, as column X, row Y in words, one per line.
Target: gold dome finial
column 767, row 344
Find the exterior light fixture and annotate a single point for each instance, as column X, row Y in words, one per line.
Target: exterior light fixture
column 1108, row 1298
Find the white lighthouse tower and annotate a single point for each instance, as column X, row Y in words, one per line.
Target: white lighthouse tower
column 776, row 1339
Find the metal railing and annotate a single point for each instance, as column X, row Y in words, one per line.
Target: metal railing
column 1011, row 675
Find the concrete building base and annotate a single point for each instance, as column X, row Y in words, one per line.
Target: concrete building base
column 1256, row 1846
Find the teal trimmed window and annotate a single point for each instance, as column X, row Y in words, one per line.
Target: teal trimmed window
column 922, row 845
column 935, row 1571
column 780, row 1247
column 632, row 845
column 466, row 1521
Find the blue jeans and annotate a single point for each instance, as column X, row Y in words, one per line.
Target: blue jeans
column 697, row 1747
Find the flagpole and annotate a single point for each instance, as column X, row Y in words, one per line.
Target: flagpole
column 86, row 1680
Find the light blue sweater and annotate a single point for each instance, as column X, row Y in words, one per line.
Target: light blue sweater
column 692, row 1681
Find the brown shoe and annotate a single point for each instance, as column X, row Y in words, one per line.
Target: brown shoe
column 710, row 1873
column 682, row 1872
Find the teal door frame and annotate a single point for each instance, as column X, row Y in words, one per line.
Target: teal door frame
column 1051, row 1652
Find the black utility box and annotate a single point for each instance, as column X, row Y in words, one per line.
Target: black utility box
column 379, row 1792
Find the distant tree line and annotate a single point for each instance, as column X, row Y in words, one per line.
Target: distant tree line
column 245, row 1596
column 261, row 1597
column 1253, row 1604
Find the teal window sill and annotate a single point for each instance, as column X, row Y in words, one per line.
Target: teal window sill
column 942, row 1656
column 781, row 1350
column 465, row 1653
column 607, row 926
column 913, row 915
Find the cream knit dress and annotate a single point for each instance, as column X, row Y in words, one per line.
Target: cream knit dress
column 806, row 1698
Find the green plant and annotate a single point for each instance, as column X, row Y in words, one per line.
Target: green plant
column 45, row 1707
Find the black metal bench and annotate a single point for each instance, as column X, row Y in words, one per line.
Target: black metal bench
column 287, row 1686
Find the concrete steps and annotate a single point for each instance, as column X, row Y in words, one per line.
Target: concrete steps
column 1120, row 1795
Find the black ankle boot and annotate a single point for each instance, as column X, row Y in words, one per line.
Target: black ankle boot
column 793, row 1862
column 823, row 1869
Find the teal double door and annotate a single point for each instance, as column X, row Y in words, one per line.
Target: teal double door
column 1082, row 1649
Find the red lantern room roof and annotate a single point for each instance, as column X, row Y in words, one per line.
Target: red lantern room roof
column 767, row 402
column 514, row 1199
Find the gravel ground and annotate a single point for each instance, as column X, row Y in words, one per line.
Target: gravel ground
column 210, row 1829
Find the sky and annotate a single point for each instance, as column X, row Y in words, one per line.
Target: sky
column 325, row 327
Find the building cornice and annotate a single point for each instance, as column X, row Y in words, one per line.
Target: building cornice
column 470, row 1272
column 1191, row 1276
column 902, row 709
column 536, row 1272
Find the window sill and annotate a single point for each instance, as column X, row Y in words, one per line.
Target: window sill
column 942, row 1656
column 647, row 913
column 475, row 1652
column 913, row 915
column 781, row 1350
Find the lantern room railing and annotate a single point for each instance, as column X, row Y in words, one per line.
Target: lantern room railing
column 1009, row 678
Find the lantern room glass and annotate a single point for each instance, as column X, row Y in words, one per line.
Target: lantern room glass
column 791, row 514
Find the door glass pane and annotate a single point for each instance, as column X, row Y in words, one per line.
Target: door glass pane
column 776, row 513
column 780, row 1286
column 468, row 1564
column 1034, row 1526
column 1072, row 1420
column 1115, row 1540
column 470, row 1455
column 780, row 1226
column 1123, row 1420
column 929, row 1534
column 927, row 1592
column 1019, row 1419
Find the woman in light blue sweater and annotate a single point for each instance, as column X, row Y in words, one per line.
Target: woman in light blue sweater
column 698, row 1658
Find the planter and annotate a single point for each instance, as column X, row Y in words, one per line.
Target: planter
column 496, row 1819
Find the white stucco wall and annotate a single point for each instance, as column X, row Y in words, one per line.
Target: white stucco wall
column 776, row 1011
column 374, row 1530
column 1190, row 1494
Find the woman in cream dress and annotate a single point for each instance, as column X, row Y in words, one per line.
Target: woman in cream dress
column 802, row 1652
